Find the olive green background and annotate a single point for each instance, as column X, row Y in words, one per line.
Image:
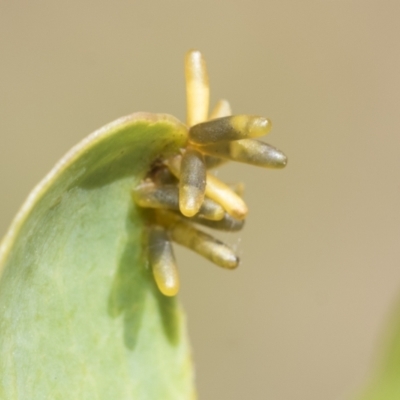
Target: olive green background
column 303, row 317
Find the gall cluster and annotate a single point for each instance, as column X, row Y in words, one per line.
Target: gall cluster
column 179, row 193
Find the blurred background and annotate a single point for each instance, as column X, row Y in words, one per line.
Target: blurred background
column 304, row 315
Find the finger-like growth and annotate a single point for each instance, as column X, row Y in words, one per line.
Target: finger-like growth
column 204, row 244
column 224, row 129
column 162, row 261
column 197, row 88
column 192, row 182
column 224, row 195
column 257, row 153
column 149, row 195
column 215, row 190
column 248, row 151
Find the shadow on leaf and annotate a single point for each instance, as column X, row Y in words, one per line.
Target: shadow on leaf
column 132, row 285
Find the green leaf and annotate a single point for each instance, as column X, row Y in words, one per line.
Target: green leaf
column 80, row 316
column 386, row 382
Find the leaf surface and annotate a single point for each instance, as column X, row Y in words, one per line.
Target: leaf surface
column 385, row 384
column 80, row 316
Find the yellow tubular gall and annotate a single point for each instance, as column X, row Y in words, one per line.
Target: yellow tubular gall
column 224, row 195
column 197, row 88
column 257, row 153
column 215, row 190
column 229, row 128
column 162, row 261
column 221, row 109
column 192, row 182
column 252, row 125
column 249, row 151
column 204, row 244
column 149, row 195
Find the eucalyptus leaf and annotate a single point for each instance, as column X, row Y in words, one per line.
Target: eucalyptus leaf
column 386, row 382
column 80, row 316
